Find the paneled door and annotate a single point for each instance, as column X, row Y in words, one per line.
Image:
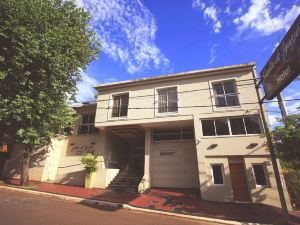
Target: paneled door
column 239, row 182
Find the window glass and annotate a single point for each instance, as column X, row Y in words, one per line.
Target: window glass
column 120, row 105
column 259, row 173
column 252, row 125
column 225, row 94
column 232, row 100
column 172, row 134
column 85, row 119
column 222, row 127
column 92, row 118
column 217, row 171
column 167, row 100
column 237, row 126
column 229, row 87
column 220, row 101
column 208, row 128
column 87, row 125
column 218, row 89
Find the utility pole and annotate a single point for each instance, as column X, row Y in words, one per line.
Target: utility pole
column 281, row 104
column 271, row 148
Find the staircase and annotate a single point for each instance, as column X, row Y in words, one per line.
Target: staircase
column 126, row 180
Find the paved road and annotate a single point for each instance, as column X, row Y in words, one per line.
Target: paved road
column 18, row 208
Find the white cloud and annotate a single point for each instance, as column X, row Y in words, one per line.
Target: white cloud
column 212, row 52
column 239, row 11
column 198, row 4
column 293, row 108
column 275, row 46
column 273, row 119
column 126, row 29
column 209, row 12
column 277, row 7
column 258, row 18
column 86, row 92
column 227, row 11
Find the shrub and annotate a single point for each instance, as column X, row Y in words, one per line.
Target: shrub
column 292, row 179
column 90, row 163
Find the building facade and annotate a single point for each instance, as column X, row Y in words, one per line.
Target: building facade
column 199, row 129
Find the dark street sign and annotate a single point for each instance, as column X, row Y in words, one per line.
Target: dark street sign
column 284, row 65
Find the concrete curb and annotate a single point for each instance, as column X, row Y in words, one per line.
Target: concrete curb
column 200, row 218
column 64, row 197
column 126, row 206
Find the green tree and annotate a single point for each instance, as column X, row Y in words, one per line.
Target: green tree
column 287, row 140
column 43, row 46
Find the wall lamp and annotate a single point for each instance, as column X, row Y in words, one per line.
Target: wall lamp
column 252, row 145
column 212, row 146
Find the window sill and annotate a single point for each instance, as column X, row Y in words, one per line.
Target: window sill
column 166, row 114
column 226, row 109
column 262, row 186
column 118, row 118
column 218, row 185
column 165, row 141
column 230, row 136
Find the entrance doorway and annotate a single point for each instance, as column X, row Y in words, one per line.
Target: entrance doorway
column 239, row 182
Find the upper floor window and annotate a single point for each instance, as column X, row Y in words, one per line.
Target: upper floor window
column 168, row 134
column 231, row 126
column 120, row 105
column 225, row 94
column 87, row 124
column 167, row 100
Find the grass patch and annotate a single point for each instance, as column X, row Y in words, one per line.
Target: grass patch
column 29, row 187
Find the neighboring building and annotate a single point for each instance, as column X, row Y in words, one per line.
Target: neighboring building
column 200, row 129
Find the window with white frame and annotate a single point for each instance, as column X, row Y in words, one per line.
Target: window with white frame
column 87, row 124
column 217, row 171
column 231, row 126
column 225, row 94
column 167, row 100
column 169, row 134
column 260, row 174
column 120, row 105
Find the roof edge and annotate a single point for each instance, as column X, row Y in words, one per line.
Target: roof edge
column 173, row 76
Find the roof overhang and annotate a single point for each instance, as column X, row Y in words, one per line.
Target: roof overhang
column 177, row 76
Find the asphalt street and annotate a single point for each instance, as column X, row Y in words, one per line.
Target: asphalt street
column 17, row 208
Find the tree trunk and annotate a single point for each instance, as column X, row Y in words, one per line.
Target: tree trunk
column 25, row 170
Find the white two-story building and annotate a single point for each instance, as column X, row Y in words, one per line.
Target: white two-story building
column 199, row 129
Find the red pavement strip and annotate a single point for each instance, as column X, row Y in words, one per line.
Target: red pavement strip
column 173, row 200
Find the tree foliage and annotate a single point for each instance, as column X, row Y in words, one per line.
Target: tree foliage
column 287, row 139
column 43, row 46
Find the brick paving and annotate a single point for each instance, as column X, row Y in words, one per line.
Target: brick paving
column 175, row 200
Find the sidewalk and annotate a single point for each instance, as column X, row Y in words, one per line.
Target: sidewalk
column 175, row 201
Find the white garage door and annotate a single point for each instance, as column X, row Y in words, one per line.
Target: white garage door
column 174, row 164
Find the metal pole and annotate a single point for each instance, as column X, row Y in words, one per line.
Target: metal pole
column 271, row 150
column 281, row 104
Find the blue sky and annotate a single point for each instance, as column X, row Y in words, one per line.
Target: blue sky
column 142, row 38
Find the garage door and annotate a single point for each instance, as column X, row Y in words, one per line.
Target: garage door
column 174, row 164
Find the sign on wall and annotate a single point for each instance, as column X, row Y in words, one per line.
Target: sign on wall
column 284, row 65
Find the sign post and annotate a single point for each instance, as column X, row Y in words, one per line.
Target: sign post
column 280, row 70
column 281, row 104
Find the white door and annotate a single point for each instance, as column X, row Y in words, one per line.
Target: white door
column 174, row 164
